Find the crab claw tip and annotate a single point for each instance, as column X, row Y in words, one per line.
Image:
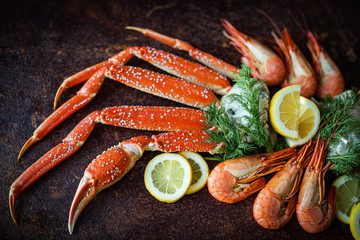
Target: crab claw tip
column 28, row 144
column 12, row 199
column 135, row 29
column 58, row 94
column 84, row 194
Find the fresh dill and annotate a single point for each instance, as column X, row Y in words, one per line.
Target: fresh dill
column 340, row 125
column 225, row 133
column 234, row 137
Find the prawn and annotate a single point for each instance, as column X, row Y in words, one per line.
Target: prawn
column 299, row 69
column 265, row 63
column 234, row 180
column 276, row 202
column 313, row 212
column 329, row 78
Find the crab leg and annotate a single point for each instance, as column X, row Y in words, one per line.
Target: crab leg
column 170, row 63
column 119, row 59
column 113, row 164
column 203, row 57
column 144, row 118
column 185, row 69
column 155, row 83
column 83, row 97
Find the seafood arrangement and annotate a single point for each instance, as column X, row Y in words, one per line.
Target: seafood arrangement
column 189, row 129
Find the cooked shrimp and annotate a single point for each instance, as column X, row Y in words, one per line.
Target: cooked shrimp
column 330, row 79
column 265, row 63
column 236, row 179
column 299, row 70
column 313, row 212
column 276, row 202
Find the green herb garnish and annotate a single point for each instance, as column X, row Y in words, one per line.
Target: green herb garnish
column 341, row 126
column 233, row 137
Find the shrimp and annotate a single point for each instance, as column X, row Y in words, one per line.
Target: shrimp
column 276, row 202
column 313, row 212
column 298, row 68
column 265, row 63
column 236, row 179
column 330, row 79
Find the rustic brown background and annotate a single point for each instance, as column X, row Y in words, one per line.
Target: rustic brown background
column 42, row 42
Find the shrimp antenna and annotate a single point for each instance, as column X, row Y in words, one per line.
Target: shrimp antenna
column 302, row 15
column 270, row 19
column 297, row 22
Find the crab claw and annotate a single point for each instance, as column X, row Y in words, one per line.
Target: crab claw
column 113, row 164
column 85, row 193
column 12, row 200
column 104, row 171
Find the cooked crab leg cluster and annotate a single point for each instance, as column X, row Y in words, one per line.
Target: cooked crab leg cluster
column 190, row 121
column 195, row 94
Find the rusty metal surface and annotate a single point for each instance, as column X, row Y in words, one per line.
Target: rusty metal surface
column 42, row 42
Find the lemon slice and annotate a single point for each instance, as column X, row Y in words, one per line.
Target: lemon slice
column 200, row 171
column 308, row 122
column 284, row 111
column 355, row 222
column 348, row 195
column 168, row 176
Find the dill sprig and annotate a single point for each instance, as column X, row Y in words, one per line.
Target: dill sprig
column 251, row 102
column 232, row 136
column 341, row 127
column 226, row 133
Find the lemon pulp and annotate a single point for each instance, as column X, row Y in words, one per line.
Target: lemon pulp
column 200, row 171
column 308, row 122
column 284, row 111
column 168, row 176
column 348, row 195
column 355, row 222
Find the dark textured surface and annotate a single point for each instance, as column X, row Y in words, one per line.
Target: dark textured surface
column 43, row 42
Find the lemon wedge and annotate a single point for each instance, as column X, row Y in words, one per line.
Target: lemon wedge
column 168, row 176
column 200, row 171
column 308, row 122
column 284, row 111
column 355, row 222
column 348, row 195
